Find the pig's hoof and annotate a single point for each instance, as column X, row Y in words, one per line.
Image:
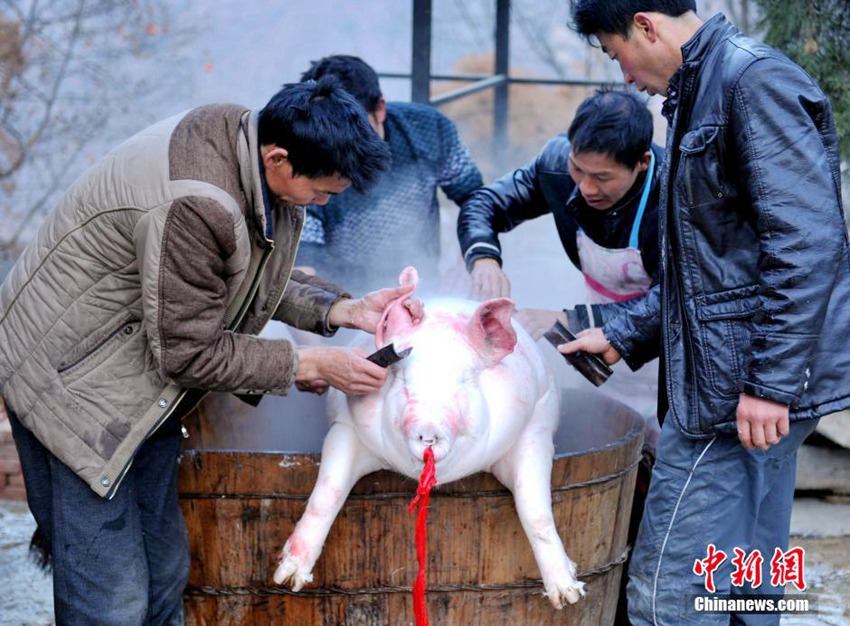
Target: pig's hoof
column 289, row 572
column 570, row 592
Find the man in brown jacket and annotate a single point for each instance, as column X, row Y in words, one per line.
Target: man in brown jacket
column 146, row 287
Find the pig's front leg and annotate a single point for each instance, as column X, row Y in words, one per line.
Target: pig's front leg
column 344, row 461
column 527, row 471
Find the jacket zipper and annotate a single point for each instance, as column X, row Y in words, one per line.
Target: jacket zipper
column 291, row 267
column 686, row 338
column 120, row 478
column 255, row 285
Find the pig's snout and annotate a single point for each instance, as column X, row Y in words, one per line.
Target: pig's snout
column 428, row 439
column 426, row 436
column 427, row 425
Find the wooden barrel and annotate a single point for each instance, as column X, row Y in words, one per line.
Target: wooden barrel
column 241, row 505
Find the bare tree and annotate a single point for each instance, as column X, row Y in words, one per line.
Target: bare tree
column 66, row 68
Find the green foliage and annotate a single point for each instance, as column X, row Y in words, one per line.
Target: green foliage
column 816, row 35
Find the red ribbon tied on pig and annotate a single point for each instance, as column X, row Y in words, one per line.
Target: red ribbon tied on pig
column 427, row 481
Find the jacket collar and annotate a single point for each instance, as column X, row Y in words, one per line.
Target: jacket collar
column 694, row 52
column 704, row 39
column 251, row 173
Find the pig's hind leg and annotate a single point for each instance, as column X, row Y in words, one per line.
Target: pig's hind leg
column 526, row 469
column 344, row 461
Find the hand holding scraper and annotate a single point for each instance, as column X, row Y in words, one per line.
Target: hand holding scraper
column 591, row 366
column 387, row 355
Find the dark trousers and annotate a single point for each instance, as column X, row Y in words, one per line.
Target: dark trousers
column 710, row 492
column 122, row 561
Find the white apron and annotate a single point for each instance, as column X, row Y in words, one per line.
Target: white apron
column 617, row 275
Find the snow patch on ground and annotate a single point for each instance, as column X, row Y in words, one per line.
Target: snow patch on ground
column 27, row 592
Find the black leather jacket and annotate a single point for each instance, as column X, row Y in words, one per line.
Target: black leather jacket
column 755, row 270
column 544, row 186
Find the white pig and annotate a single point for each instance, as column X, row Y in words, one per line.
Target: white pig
column 477, row 391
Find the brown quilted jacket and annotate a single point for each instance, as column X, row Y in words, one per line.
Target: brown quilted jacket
column 152, row 276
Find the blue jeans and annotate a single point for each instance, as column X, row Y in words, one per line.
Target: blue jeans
column 123, row 561
column 710, row 491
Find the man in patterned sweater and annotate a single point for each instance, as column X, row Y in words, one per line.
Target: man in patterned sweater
column 365, row 238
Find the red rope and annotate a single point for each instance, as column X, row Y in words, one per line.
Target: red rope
column 427, row 481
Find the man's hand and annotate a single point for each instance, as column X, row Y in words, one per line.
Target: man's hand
column 488, row 280
column 365, row 313
column 591, row 340
column 538, row 321
column 761, row 423
column 343, row 368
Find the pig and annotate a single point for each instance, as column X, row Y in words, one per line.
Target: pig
column 476, row 390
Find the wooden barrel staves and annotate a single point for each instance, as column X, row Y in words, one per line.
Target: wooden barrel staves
column 241, row 505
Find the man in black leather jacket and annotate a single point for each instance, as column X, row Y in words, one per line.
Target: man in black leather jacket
column 600, row 183
column 592, row 180
column 753, row 306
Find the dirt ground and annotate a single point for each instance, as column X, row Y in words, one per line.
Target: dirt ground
column 822, row 528
column 829, row 578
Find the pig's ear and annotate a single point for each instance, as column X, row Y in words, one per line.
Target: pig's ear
column 490, row 331
column 396, row 316
column 408, row 276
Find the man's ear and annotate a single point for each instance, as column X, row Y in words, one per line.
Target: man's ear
column 275, row 156
column 642, row 23
column 380, row 111
column 643, row 164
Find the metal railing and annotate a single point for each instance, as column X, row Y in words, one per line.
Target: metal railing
column 420, row 75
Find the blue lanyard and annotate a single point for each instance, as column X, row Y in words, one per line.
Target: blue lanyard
column 647, row 185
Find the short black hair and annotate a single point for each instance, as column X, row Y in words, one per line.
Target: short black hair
column 614, row 17
column 615, row 123
column 325, row 131
column 355, row 75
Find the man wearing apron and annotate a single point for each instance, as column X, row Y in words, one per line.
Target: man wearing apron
column 615, row 275
column 600, row 182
